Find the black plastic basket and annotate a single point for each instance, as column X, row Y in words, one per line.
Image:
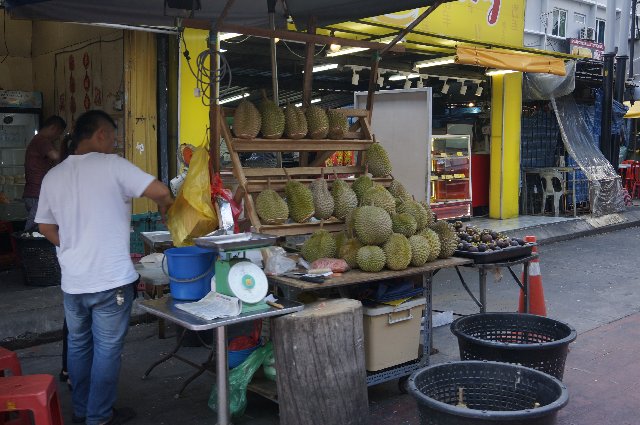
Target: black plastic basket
column 494, row 393
column 39, row 260
column 526, row 339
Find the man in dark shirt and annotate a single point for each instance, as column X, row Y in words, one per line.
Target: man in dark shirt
column 40, row 157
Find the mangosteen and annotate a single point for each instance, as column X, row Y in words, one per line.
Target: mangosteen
column 486, row 237
column 494, row 235
column 514, row 243
column 473, row 248
column 482, row 247
column 520, row 241
column 458, row 225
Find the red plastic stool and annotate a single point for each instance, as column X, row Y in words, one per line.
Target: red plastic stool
column 36, row 393
column 9, row 361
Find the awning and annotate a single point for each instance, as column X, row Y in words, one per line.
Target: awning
column 251, row 13
column 634, row 110
column 496, row 59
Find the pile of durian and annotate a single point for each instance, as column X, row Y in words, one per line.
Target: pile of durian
column 385, row 228
column 272, row 122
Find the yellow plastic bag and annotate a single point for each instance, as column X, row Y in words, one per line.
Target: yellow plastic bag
column 192, row 214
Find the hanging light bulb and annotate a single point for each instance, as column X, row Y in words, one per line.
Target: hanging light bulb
column 463, row 89
column 333, row 46
column 420, row 84
column 380, row 80
column 407, row 84
column 479, row 90
column 355, row 78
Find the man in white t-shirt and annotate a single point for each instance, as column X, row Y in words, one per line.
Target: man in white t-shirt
column 84, row 209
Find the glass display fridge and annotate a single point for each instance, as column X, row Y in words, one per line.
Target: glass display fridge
column 450, row 176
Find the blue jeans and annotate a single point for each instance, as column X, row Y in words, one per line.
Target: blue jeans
column 97, row 328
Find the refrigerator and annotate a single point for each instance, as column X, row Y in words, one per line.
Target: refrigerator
column 19, row 121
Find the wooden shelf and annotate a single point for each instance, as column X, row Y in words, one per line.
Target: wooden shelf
column 254, row 180
column 299, row 145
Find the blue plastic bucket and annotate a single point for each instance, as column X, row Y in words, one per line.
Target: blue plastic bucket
column 190, row 270
column 236, row 357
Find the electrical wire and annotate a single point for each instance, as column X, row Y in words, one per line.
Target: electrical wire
column 295, row 54
column 203, row 75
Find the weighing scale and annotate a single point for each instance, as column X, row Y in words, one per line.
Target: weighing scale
column 236, row 276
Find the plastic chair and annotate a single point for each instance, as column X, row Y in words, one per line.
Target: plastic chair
column 9, row 361
column 552, row 185
column 36, row 393
column 628, row 174
column 635, row 185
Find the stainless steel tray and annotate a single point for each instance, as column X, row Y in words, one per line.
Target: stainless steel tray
column 258, row 240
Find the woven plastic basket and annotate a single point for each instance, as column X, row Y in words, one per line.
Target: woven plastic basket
column 39, row 260
column 533, row 341
column 494, row 393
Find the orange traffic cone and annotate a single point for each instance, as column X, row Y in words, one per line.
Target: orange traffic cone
column 536, row 292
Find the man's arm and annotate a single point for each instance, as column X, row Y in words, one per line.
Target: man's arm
column 50, row 231
column 54, row 156
column 159, row 193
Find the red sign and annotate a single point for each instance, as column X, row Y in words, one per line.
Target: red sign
column 586, row 48
column 494, row 11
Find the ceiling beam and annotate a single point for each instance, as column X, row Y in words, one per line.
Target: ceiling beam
column 290, row 35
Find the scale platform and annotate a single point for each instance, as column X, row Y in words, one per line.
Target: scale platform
column 237, row 242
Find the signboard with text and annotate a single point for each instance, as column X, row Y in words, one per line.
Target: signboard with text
column 586, row 48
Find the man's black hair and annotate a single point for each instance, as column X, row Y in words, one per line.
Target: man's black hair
column 88, row 123
column 54, row 120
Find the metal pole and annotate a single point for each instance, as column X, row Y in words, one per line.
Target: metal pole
column 221, row 376
column 632, row 45
column 607, row 105
column 163, row 107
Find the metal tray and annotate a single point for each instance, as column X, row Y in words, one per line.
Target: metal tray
column 504, row 254
column 258, row 240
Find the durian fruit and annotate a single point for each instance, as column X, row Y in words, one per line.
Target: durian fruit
column 419, row 250
column 361, row 184
column 320, row 245
column 397, row 189
column 295, row 123
column 322, row 198
column 431, row 217
column 404, row 224
column 377, row 159
column 317, row 122
column 416, row 210
column 271, row 208
column 448, row 238
column 272, row 119
column 373, row 225
column 371, row 258
column 349, row 252
column 338, row 124
column 378, row 196
column 344, row 198
column 246, row 120
column 434, row 243
column 299, row 200
column 398, row 252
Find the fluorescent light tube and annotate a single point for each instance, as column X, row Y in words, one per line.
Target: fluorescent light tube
column 234, row 98
column 494, row 72
column 316, row 100
column 435, row 62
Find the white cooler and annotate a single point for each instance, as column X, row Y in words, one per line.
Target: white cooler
column 392, row 334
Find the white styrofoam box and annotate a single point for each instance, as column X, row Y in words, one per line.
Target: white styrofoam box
column 12, row 156
column 392, row 334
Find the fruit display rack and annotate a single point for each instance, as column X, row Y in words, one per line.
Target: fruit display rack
column 252, row 181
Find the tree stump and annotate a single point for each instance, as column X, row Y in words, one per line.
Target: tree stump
column 321, row 375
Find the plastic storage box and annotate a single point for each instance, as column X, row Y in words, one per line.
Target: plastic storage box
column 392, row 334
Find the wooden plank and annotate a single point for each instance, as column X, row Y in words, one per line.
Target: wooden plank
column 300, row 171
column 295, row 229
column 257, row 186
column 322, row 158
column 349, row 112
column 290, row 35
column 355, row 277
column 235, row 159
column 304, row 145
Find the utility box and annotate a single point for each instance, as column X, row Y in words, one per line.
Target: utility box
column 392, row 334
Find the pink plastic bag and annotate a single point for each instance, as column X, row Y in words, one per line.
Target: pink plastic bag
column 336, row 265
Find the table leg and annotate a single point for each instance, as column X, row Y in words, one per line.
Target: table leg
column 427, row 328
column 575, row 207
column 168, row 356
column 483, row 289
column 525, row 284
column 221, row 376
